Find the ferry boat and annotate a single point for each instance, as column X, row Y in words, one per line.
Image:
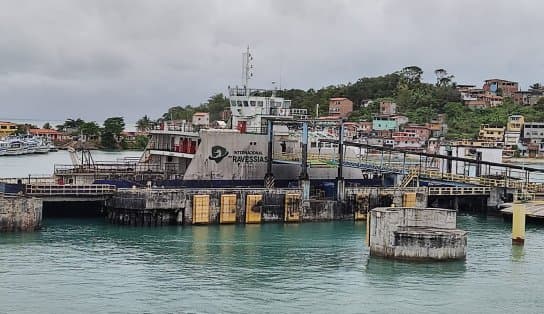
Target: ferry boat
column 237, row 156
column 20, row 145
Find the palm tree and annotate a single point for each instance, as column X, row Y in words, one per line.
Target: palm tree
column 143, row 124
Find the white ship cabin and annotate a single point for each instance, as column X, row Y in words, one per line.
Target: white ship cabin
column 249, row 106
column 171, row 146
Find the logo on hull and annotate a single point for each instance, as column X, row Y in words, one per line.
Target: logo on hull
column 218, row 153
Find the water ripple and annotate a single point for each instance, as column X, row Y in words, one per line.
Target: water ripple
column 89, row 266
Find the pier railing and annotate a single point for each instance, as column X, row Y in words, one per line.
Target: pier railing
column 412, row 170
column 70, row 190
column 456, row 190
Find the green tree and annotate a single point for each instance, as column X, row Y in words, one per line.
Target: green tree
column 114, row 125
column 108, row 140
column 70, row 125
column 216, row 104
column 443, row 78
column 179, row 113
column 141, row 142
column 90, row 129
column 46, row 125
column 144, row 124
column 411, row 75
column 111, row 131
column 23, row 129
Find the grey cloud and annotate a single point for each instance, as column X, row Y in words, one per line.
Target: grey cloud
column 96, row 59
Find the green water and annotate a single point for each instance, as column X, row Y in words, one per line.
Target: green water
column 82, row 266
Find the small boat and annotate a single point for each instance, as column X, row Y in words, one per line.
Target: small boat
column 3, row 147
column 15, row 147
column 44, row 146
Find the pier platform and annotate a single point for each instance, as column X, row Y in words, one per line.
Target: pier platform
column 534, row 210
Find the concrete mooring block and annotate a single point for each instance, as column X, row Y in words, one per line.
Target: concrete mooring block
column 415, row 234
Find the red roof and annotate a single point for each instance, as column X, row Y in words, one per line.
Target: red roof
column 339, row 98
column 44, row 131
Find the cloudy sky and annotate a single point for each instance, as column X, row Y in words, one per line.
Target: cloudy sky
column 96, row 59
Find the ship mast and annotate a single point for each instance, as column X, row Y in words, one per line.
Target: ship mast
column 247, row 67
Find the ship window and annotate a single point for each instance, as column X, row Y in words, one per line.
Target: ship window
column 233, row 103
column 245, row 103
column 260, row 103
column 252, row 103
column 239, row 102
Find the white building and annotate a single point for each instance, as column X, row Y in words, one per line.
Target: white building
column 201, row 118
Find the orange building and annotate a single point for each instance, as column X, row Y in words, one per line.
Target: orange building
column 53, row 135
column 340, row 107
column 502, row 87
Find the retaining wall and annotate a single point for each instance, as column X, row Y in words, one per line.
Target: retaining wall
column 20, row 213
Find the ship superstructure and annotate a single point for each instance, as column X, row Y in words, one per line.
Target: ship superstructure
column 237, row 156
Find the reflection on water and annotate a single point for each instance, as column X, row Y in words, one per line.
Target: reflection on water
column 91, row 266
column 517, row 253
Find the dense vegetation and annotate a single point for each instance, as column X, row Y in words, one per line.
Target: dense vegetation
column 418, row 100
column 109, row 136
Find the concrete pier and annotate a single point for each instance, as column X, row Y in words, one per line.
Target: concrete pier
column 20, row 213
column 234, row 205
column 415, row 234
column 202, row 206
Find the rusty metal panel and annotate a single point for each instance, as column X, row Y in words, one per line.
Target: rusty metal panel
column 228, row 209
column 253, row 208
column 201, row 209
column 292, row 207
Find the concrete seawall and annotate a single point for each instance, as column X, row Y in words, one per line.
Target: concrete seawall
column 20, row 213
column 155, row 207
column 177, row 206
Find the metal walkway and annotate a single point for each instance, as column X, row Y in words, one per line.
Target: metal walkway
column 54, row 190
column 412, row 171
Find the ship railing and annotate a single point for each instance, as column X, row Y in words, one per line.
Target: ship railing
column 31, row 179
column 174, row 149
column 242, row 91
column 256, row 130
column 61, row 169
column 178, row 127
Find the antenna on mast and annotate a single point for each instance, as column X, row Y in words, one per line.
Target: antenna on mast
column 247, row 67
